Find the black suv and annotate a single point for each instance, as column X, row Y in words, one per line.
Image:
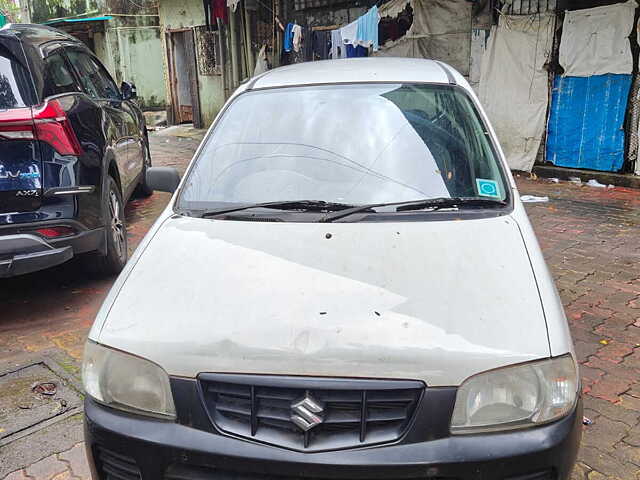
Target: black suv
column 73, row 148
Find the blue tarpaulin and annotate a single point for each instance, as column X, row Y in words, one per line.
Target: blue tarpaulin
column 586, row 122
column 56, row 21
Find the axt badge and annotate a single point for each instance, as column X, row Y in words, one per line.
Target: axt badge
column 487, row 188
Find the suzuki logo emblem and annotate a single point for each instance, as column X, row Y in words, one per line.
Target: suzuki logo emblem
column 305, row 413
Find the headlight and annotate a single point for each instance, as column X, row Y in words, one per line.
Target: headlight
column 126, row 382
column 516, row 397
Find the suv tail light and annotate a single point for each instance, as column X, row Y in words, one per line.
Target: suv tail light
column 47, row 123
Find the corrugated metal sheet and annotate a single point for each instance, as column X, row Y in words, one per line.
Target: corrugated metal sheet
column 586, row 122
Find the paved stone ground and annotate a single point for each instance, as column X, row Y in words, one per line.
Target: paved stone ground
column 590, row 237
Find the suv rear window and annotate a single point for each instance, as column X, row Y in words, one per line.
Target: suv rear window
column 14, row 82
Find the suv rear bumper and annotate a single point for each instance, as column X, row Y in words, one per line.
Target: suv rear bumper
column 22, row 251
column 151, row 449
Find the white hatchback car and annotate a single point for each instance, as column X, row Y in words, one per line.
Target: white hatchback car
column 344, row 286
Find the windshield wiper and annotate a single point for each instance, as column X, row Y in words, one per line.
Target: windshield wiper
column 433, row 203
column 303, row 205
column 445, row 202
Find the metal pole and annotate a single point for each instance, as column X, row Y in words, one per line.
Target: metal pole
column 251, row 62
column 235, row 59
column 277, row 47
column 222, row 59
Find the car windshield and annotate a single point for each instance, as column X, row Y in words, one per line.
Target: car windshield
column 354, row 144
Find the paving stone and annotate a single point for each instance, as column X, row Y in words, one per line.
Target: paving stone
column 589, row 373
column 601, row 462
column 605, row 433
column 620, row 370
column 580, row 472
column 634, row 391
column 17, row 475
column 66, row 475
column 593, row 475
column 47, row 468
column 631, row 403
column 633, row 437
column 627, row 453
column 615, row 351
column 584, row 350
column 77, row 460
column 610, row 388
column 611, row 411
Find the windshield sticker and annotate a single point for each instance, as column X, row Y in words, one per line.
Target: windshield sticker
column 487, row 188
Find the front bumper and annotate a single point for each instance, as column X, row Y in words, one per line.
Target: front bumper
column 151, row 449
column 22, row 251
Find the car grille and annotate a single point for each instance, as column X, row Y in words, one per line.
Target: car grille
column 188, row 472
column 354, row 412
column 115, row 466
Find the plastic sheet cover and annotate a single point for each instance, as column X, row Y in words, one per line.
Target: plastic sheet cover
column 586, row 122
column 441, row 30
column 595, row 41
column 514, row 84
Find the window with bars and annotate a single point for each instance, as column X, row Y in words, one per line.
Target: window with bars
column 207, row 50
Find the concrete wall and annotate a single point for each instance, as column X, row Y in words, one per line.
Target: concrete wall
column 182, row 14
column 134, row 49
column 130, row 45
column 141, row 63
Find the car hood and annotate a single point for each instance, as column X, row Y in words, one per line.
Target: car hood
column 435, row 301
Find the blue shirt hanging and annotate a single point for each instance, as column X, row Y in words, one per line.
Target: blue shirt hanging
column 288, row 38
column 367, row 34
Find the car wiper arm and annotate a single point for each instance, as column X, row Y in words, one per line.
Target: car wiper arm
column 305, row 205
column 435, row 203
column 446, row 202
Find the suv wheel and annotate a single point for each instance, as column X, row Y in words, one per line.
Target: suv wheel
column 116, row 233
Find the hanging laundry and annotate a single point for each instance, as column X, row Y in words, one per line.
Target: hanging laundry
column 320, row 45
column 349, row 33
column 367, row 29
column 307, row 44
column 218, row 10
column 356, row 51
column 297, row 37
column 233, row 4
column 338, row 49
column 287, row 44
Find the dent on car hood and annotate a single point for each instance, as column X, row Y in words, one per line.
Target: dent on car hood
column 436, row 301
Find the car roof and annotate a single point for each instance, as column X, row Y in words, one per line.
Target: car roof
column 36, row 35
column 359, row 70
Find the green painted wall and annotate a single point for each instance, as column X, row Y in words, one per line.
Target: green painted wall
column 189, row 13
column 141, row 63
column 130, row 46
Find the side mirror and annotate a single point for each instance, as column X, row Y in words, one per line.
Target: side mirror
column 163, row 179
column 128, row 91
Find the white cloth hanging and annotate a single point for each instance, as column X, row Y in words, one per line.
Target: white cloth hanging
column 338, row 49
column 514, row 84
column 233, row 4
column 297, row 37
column 595, row 41
column 349, row 33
